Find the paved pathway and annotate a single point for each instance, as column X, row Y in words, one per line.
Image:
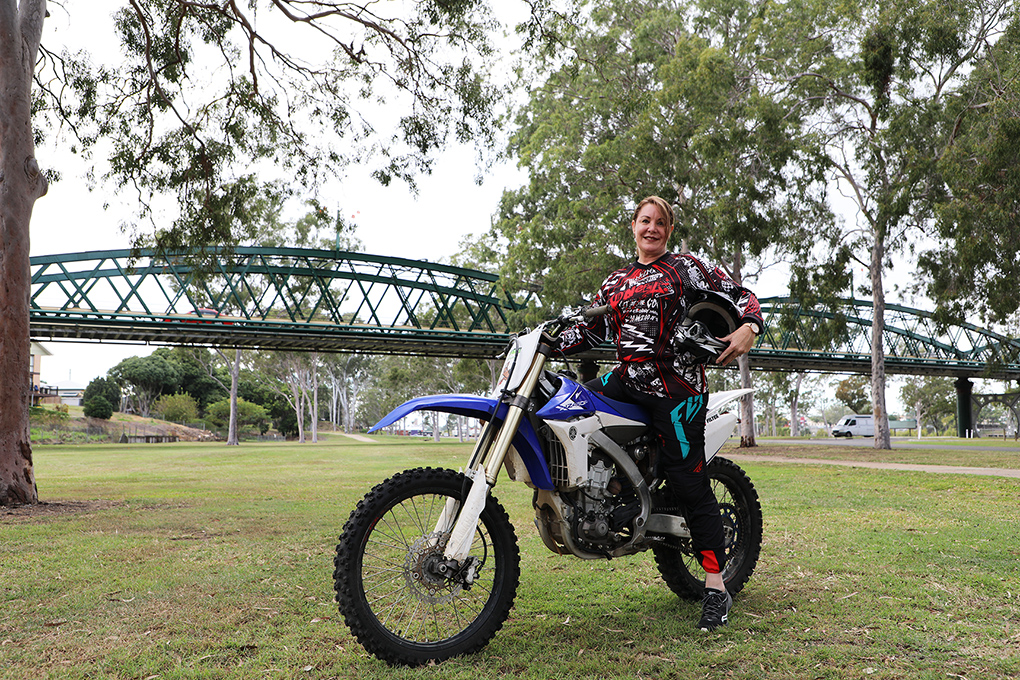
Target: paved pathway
column 358, row 437
column 942, row 469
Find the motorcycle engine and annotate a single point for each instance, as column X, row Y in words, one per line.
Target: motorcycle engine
column 603, row 507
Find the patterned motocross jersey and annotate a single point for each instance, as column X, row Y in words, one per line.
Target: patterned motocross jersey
column 648, row 302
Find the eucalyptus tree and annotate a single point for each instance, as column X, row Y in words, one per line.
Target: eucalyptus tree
column 886, row 89
column 294, row 377
column 209, row 103
column 689, row 101
column 144, row 379
column 932, row 400
column 347, row 375
column 974, row 266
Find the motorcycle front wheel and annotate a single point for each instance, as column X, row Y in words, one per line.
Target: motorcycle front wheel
column 742, row 524
column 388, row 588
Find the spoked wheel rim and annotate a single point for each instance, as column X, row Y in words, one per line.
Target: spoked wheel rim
column 405, row 590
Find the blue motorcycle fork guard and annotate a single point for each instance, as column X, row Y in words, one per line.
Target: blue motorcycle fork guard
column 475, row 406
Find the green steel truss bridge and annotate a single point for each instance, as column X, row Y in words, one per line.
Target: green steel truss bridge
column 298, row 299
column 269, row 298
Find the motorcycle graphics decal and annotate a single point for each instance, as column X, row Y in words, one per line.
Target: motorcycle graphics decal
column 570, row 400
column 573, row 399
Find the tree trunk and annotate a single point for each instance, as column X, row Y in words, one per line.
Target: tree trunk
column 744, row 366
column 21, row 184
column 746, row 405
column 883, row 439
column 315, row 396
column 794, row 407
column 235, row 372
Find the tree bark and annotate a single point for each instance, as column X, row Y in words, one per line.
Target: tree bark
column 235, row 372
column 883, row 439
column 744, row 367
column 795, row 406
column 315, row 396
column 21, row 184
column 746, row 405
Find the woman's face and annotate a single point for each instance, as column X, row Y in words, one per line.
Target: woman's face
column 651, row 233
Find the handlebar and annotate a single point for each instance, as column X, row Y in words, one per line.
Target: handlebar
column 573, row 316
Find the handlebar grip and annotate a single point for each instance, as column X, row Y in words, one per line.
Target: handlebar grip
column 592, row 312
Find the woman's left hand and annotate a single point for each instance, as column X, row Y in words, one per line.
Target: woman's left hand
column 741, row 341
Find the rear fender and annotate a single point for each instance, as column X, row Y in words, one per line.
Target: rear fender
column 474, row 406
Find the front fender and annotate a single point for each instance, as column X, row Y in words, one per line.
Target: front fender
column 475, row 406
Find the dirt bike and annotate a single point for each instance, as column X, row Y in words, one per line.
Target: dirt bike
column 427, row 566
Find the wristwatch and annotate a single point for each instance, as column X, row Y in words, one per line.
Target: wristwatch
column 755, row 328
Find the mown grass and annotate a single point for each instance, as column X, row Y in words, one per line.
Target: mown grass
column 203, row 561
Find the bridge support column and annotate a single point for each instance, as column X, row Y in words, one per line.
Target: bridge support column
column 964, row 406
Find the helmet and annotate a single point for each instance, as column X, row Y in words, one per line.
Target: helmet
column 712, row 316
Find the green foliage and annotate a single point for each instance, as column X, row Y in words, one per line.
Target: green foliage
column 973, row 269
column 250, row 417
column 107, row 389
column 193, row 363
column 45, row 416
column 913, row 102
column 681, row 100
column 252, row 389
column 177, row 408
column 147, row 378
column 935, row 397
column 98, row 407
column 202, row 93
column 854, row 392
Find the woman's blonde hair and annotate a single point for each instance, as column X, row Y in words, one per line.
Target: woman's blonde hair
column 665, row 208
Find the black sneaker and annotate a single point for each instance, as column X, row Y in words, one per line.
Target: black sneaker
column 715, row 609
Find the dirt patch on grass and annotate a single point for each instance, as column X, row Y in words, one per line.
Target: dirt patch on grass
column 27, row 513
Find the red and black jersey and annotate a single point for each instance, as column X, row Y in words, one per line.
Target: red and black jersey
column 648, row 302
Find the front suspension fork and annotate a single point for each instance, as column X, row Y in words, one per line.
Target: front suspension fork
column 485, row 464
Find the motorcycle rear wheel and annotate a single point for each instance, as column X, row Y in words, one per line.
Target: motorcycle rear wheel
column 396, row 607
column 742, row 520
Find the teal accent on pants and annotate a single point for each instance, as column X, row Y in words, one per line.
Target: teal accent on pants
column 683, row 414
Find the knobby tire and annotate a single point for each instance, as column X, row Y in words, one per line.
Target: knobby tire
column 392, row 606
column 741, row 510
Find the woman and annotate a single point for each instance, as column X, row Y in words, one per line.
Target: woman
column 648, row 300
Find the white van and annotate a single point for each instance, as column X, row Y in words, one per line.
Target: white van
column 848, row 426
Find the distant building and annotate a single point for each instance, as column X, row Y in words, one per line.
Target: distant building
column 71, row 394
column 40, row 394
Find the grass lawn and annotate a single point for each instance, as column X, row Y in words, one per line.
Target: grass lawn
column 203, row 561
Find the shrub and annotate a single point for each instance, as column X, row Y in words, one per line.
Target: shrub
column 178, row 408
column 101, row 387
column 250, row 416
column 98, row 407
